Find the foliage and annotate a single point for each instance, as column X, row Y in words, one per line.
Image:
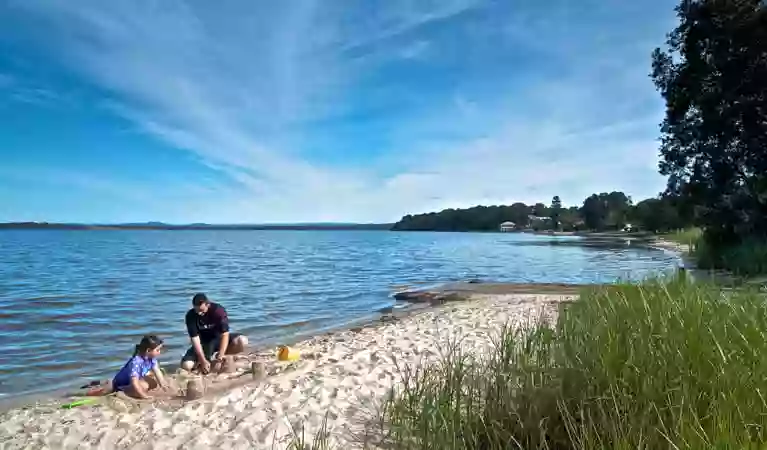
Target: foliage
column 713, row 77
column 658, row 214
column 556, row 212
column 478, row 218
column 666, row 364
column 748, row 258
column 606, row 211
column 599, row 212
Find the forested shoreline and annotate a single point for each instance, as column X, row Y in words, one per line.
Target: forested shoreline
column 598, row 212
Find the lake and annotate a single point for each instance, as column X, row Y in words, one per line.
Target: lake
column 73, row 304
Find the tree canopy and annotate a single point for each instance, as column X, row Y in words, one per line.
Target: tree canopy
column 713, row 77
column 599, row 212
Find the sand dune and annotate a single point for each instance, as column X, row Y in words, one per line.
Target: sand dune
column 342, row 378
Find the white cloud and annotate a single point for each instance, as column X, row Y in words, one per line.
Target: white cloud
column 233, row 83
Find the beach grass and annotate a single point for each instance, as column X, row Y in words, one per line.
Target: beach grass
column 664, row 364
column 686, row 236
column 747, row 259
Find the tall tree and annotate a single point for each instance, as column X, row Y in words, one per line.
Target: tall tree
column 594, row 212
column 556, row 211
column 618, row 206
column 713, row 76
column 657, row 214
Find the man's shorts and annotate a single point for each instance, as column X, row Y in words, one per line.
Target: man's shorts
column 208, row 348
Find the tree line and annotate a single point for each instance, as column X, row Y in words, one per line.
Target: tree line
column 598, row 212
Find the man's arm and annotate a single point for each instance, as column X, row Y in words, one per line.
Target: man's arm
column 194, row 337
column 224, row 345
column 197, row 346
column 223, row 328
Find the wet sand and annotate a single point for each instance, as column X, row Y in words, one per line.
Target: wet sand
column 342, row 378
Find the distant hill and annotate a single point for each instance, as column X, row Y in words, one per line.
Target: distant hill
column 195, row 226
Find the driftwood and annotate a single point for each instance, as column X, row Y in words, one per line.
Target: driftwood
column 432, row 298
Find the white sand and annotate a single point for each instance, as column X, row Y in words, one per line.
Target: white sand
column 350, row 375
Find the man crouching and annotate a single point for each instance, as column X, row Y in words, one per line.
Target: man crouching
column 208, row 328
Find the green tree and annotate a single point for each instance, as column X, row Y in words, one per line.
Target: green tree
column 594, row 212
column 570, row 219
column 556, row 211
column 713, row 77
column 618, row 206
column 606, row 211
column 657, row 215
column 540, row 210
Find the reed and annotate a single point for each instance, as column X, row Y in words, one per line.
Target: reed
column 664, row 364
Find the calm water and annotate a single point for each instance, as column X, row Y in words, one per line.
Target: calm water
column 74, row 303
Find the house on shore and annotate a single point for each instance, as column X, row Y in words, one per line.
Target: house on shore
column 537, row 219
column 507, row 226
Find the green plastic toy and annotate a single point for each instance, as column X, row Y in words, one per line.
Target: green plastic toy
column 76, row 403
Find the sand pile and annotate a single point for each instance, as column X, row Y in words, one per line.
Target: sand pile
column 342, row 378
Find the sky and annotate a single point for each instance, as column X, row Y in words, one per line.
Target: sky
column 251, row 111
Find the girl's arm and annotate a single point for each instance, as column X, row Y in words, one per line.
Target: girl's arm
column 158, row 375
column 138, row 388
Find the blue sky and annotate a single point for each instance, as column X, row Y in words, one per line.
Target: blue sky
column 256, row 111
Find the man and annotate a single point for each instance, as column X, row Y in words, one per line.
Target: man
column 208, row 328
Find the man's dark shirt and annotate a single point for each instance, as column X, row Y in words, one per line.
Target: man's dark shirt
column 208, row 326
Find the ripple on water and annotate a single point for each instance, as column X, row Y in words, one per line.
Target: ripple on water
column 74, row 304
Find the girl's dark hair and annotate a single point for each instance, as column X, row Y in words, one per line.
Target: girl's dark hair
column 148, row 342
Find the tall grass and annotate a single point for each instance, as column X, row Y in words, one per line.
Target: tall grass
column 662, row 365
column 687, row 236
column 746, row 259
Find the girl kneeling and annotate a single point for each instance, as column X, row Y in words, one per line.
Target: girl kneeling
column 135, row 378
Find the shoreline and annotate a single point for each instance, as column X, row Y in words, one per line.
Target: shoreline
column 405, row 309
column 338, row 373
column 39, row 393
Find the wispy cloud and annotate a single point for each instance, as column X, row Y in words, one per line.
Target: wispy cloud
column 516, row 102
column 14, row 90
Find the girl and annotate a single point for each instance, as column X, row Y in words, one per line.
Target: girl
column 134, row 378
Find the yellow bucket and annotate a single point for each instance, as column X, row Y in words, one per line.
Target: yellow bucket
column 285, row 353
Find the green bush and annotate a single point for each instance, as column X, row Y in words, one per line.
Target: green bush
column 662, row 365
column 748, row 258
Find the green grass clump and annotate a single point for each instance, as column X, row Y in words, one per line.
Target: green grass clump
column 748, row 258
column 661, row 365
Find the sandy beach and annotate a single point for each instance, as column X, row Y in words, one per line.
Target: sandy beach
column 341, row 378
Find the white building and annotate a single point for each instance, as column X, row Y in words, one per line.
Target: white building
column 508, row 226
